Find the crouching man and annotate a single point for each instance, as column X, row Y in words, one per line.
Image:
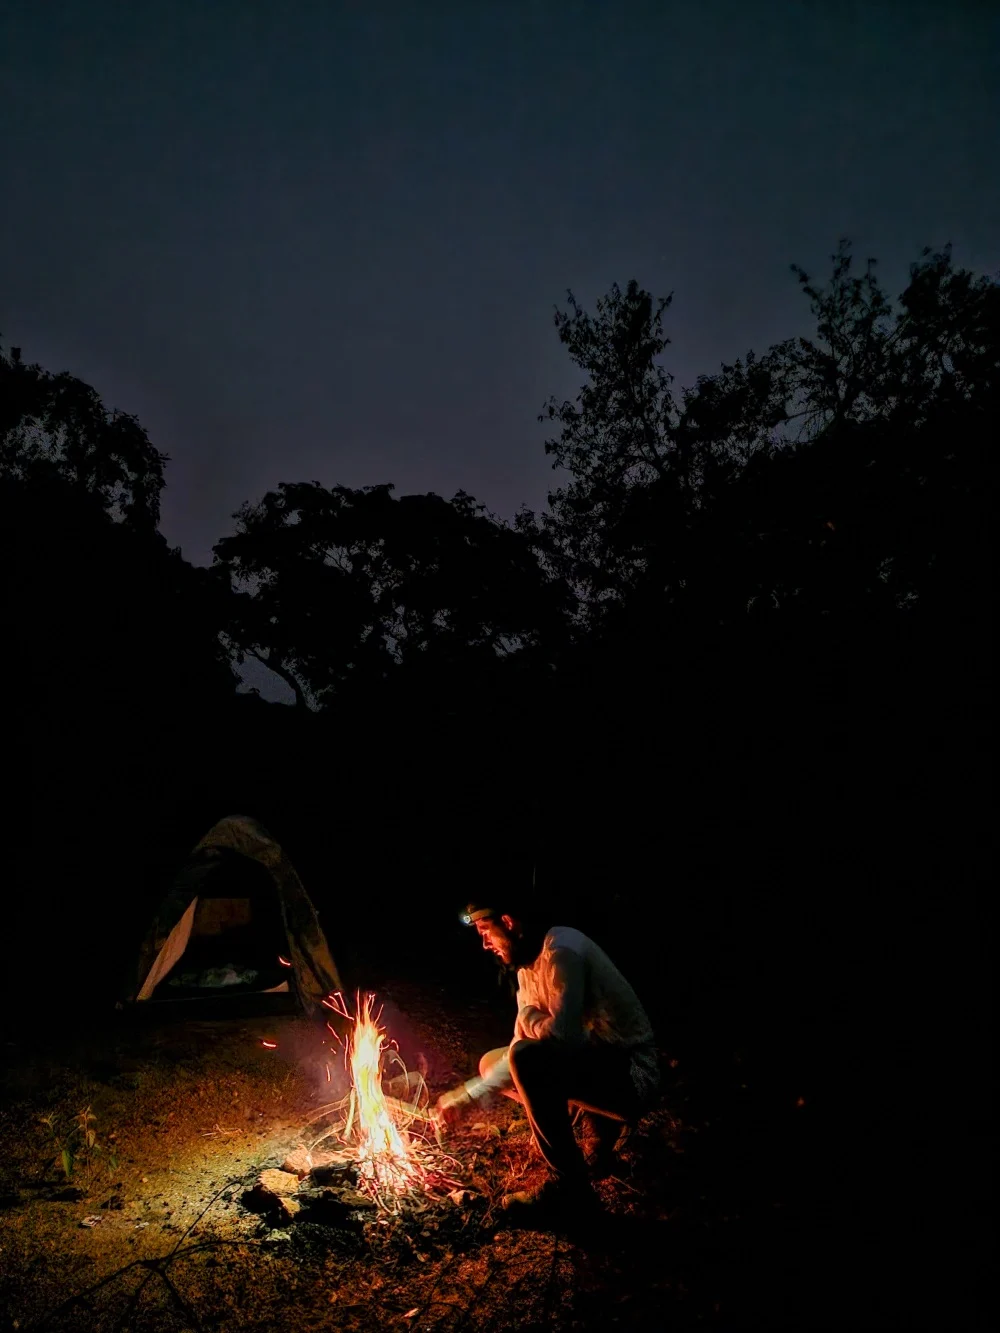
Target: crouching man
column 581, row 1040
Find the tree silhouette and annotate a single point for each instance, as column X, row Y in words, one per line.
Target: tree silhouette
column 824, row 477
column 55, row 426
column 337, row 586
column 617, row 439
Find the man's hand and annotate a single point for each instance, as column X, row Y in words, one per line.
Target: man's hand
column 451, row 1106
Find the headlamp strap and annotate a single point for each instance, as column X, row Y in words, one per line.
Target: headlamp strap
column 478, row 914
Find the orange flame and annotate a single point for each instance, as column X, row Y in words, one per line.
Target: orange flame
column 384, row 1156
column 395, row 1170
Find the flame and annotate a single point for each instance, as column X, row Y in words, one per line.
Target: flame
column 395, row 1145
column 384, row 1156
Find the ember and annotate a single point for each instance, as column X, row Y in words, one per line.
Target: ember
column 399, row 1160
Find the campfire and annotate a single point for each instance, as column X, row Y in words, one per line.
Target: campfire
column 389, row 1142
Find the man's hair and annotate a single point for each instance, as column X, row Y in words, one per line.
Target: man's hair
column 532, row 918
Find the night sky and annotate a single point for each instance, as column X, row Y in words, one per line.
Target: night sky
column 325, row 240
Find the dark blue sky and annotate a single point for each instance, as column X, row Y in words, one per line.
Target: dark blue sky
column 324, row 240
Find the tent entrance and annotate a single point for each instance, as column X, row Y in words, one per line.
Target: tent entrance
column 234, row 946
column 236, row 925
column 235, row 939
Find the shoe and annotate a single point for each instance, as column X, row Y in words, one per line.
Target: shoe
column 557, row 1201
column 601, row 1159
column 601, row 1149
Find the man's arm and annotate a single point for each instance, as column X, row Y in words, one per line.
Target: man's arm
column 497, row 1080
column 563, row 1020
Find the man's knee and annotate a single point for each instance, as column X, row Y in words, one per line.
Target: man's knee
column 526, row 1056
column 490, row 1059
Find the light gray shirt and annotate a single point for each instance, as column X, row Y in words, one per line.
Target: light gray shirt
column 573, row 993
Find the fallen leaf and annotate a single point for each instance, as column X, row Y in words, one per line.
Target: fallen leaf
column 91, row 1220
column 410, row 1313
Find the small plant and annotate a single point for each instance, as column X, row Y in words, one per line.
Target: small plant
column 75, row 1147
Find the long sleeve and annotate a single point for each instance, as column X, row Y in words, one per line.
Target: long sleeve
column 496, row 1080
column 560, row 1016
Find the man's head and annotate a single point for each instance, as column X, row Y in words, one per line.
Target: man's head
column 502, row 932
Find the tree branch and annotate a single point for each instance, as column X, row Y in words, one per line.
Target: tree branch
column 285, row 675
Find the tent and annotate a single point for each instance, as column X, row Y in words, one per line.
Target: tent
column 236, row 931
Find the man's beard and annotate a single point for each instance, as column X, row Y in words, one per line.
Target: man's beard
column 522, row 955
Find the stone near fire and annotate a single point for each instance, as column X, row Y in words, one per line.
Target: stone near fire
column 326, row 1208
column 301, row 1161
column 271, row 1190
column 298, row 1162
column 330, row 1167
column 278, row 1182
column 355, row 1199
column 339, row 1159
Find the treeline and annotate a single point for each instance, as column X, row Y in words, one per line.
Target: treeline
column 729, row 684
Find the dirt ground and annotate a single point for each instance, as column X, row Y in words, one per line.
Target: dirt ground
column 156, row 1235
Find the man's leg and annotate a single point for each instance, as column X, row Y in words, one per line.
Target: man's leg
column 549, row 1076
column 605, row 1096
column 600, row 1137
column 541, row 1076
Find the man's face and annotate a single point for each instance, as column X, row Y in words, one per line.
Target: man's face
column 498, row 937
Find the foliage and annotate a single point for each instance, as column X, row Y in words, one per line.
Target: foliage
column 834, row 475
column 618, row 438
column 75, row 1148
column 56, row 427
column 335, row 586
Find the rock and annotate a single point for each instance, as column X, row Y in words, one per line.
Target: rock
column 299, row 1161
column 330, row 1167
column 326, row 1208
column 270, row 1192
column 288, row 1207
column 341, row 1159
column 278, row 1182
column 355, row 1199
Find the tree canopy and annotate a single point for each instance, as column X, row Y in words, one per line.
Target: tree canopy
column 826, row 476
column 335, row 585
column 55, row 426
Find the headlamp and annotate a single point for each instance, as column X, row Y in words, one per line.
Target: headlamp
column 473, row 914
